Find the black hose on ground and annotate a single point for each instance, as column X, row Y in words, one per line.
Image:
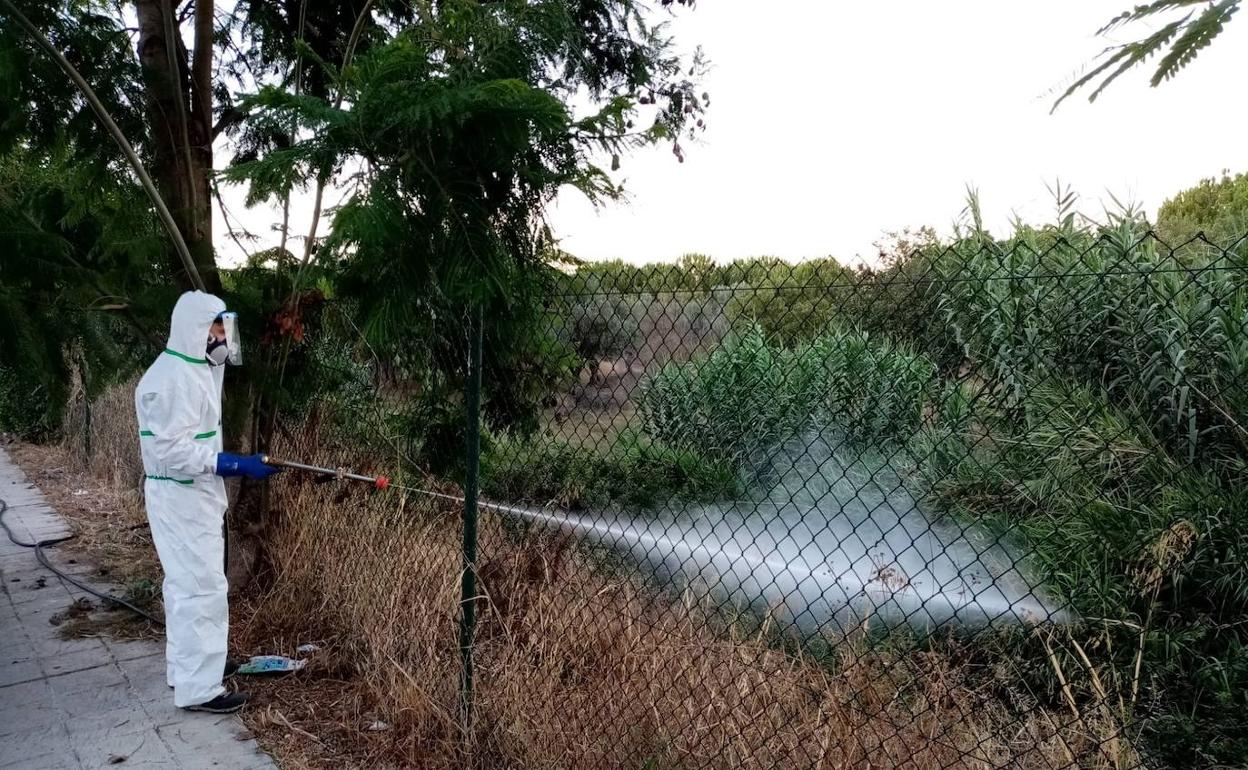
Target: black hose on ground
column 39, row 545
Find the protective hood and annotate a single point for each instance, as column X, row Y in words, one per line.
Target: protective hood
column 192, row 319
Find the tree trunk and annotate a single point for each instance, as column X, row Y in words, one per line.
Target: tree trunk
column 180, row 115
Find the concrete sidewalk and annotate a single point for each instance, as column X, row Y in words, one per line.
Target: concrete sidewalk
column 87, row 703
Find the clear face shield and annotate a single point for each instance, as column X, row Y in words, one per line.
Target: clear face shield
column 228, row 349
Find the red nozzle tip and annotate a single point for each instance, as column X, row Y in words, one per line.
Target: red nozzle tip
column 381, row 482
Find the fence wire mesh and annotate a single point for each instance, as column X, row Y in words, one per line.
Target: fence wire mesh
column 979, row 507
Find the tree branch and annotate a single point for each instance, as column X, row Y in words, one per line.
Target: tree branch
column 229, row 227
column 114, row 131
column 201, row 64
column 173, row 45
column 230, row 117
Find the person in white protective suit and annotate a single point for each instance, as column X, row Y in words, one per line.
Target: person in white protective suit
column 178, row 404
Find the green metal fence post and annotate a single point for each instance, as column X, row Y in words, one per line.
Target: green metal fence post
column 468, row 585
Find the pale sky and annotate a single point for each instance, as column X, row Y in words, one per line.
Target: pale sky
column 832, row 122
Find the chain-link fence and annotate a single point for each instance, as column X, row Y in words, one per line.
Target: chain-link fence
column 982, row 507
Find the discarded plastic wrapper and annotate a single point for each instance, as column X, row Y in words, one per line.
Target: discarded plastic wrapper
column 270, row 664
column 304, row 649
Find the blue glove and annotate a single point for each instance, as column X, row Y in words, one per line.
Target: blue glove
column 251, row 466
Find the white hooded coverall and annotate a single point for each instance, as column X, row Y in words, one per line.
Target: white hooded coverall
column 178, row 403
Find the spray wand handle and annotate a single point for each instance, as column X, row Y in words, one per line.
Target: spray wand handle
column 378, row 482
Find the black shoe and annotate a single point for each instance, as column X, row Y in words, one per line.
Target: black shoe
column 231, row 668
column 222, row 704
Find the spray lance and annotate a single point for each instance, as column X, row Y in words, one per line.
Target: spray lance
column 341, row 474
column 383, row 482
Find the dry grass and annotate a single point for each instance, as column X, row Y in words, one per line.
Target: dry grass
column 94, row 479
column 577, row 667
column 101, row 437
column 110, row 535
column 108, row 519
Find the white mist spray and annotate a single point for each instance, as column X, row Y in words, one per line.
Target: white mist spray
column 837, row 540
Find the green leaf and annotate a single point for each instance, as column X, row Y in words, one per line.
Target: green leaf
column 1179, row 40
column 1198, row 35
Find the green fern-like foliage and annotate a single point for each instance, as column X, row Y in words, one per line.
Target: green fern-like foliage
column 77, row 290
column 40, row 108
column 453, row 132
column 80, row 278
column 1191, row 27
